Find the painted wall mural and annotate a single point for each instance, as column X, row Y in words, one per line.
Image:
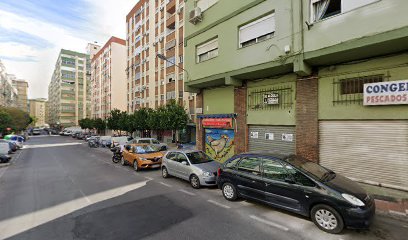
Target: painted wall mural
column 219, row 143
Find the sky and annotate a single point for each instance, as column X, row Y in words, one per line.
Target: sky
column 32, row 33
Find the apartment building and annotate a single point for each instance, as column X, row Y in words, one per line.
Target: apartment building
column 38, row 110
column 69, row 92
column 108, row 78
column 157, row 27
column 326, row 80
column 8, row 93
column 22, row 93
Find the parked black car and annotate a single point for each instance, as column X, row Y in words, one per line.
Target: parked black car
column 4, row 158
column 295, row 184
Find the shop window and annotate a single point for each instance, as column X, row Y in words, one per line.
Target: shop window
column 350, row 90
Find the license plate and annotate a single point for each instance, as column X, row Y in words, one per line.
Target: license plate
column 156, row 166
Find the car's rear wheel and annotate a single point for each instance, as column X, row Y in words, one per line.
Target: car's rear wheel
column 327, row 218
column 195, row 181
column 122, row 161
column 135, row 166
column 229, row 191
column 165, row 173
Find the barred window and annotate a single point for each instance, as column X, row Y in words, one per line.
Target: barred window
column 356, row 85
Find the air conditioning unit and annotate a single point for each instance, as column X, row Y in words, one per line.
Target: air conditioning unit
column 180, row 10
column 190, row 97
column 161, row 8
column 143, row 88
column 161, row 39
column 154, row 43
column 195, row 16
column 162, row 83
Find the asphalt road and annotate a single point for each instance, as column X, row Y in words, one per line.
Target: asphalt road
column 58, row 188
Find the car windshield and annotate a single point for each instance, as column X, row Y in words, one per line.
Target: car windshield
column 145, row 149
column 311, row 168
column 198, row 157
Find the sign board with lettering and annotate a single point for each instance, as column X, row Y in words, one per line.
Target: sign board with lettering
column 386, row 93
column 271, row 98
column 254, row 135
column 217, row 122
column 287, row 137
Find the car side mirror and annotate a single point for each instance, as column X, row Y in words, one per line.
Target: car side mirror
column 184, row 163
column 289, row 180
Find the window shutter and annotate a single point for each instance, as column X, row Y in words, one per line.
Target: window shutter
column 257, row 28
column 208, row 46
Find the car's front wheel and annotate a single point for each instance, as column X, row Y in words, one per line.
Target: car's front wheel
column 229, row 191
column 327, row 218
column 135, row 166
column 195, row 181
column 165, row 173
column 122, row 161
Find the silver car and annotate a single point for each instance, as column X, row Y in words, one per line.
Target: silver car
column 191, row 165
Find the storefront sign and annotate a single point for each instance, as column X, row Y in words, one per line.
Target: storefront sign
column 254, row 135
column 271, row 98
column 386, row 93
column 287, row 137
column 217, row 122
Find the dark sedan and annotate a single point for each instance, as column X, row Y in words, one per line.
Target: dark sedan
column 295, row 184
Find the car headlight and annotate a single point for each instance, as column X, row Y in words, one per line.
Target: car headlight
column 143, row 159
column 353, row 200
column 207, row 174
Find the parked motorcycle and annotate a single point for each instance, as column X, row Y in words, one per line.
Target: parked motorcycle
column 117, row 154
column 93, row 144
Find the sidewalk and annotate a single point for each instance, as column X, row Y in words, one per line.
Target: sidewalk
column 389, row 201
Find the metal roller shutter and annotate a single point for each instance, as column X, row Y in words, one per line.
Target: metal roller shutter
column 277, row 144
column 375, row 151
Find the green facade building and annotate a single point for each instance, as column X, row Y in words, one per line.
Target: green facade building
column 69, row 92
column 302, row 77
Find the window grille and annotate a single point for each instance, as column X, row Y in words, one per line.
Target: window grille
column 283, row 93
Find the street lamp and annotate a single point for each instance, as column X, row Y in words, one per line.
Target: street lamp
column 162, row 57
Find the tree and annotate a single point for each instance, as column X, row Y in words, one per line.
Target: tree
column 113, row 120
column 177, row 116
column 86, row 123
column 20, row 119
column 141, row 119
column 5, row 121
column 99, row 124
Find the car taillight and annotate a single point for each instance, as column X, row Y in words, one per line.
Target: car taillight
column 219, row 172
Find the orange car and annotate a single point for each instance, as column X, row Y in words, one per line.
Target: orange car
column 141, row 156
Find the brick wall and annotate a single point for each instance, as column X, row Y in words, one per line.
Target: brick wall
column 240, row 102
column 307, row 125
column 199, row 128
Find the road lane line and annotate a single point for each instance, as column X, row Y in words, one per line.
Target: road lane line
column 165, row 184
column 269, row 223
column 50, row 145
column 186, row 192
column 218, row 204
column 83, row 194
column 149, row 178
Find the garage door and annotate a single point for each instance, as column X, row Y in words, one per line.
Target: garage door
column 272, row 138
column 374, row 151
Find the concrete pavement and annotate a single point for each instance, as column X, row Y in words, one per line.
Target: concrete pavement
column 56, row 189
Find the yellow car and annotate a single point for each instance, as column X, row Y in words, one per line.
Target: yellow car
column 141, row 156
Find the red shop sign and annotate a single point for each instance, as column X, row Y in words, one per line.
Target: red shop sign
column 217, row 122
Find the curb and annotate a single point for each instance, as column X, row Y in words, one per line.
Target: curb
column 2, row 165
column 392, row 214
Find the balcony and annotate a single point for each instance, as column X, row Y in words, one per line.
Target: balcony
column 171, row 6
column 170, row 44
column 171, row 21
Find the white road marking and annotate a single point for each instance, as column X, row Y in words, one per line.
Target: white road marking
column 218, row 204
column 272, row 224
column 186, row 192
column 16, row 225
column 165, row 184
column 50, row 145
column 149, row 178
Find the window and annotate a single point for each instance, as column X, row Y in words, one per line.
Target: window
column 356, row 85
column 170, row 61
column 299, row 177
column 250, row 165
column 205, row 4
column 180, row 58
column 181, row 157
column 257, row 31
column 274, row 170
column 321, row 9
column 232, row 163
column 207, row 50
